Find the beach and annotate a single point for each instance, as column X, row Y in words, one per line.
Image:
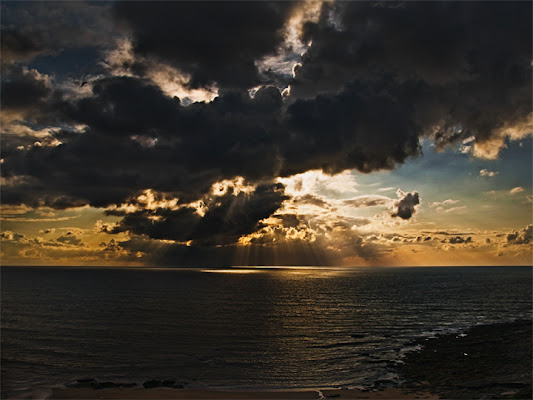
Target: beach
column 488, row 361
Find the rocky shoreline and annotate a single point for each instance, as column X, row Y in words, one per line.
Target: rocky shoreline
column 488, row 361
column 91, row 383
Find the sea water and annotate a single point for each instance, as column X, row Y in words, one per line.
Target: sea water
column 239, row 327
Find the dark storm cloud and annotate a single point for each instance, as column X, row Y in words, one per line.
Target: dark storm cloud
column 38, row 192
column 125, row 106
column 376, row 78
column 17, row 46
column 23, row 89
column 471, row 61
column 37, row 28
column 405, row 207
column 215, row 42
column 194, row 146
column 29, row 99
column 366, row 126
column 226, row 217
column 367, row 39
column 197, row 145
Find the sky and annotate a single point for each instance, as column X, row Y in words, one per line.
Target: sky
column 266, row 133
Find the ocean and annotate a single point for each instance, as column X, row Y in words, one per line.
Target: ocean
column 239, row 327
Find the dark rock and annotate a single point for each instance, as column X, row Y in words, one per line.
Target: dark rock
column 152, row 384
column 129, row 385
column 168, row 383
column 86, row 380
column 179, row 386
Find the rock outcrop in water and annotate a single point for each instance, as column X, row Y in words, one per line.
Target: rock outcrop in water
column 91, row 383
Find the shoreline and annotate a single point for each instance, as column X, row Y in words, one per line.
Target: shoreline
column 487, row 361
column 204, row 394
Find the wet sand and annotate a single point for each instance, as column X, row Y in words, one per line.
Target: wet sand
column 490, row 362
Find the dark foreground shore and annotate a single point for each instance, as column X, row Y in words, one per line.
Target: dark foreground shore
column 489, row 362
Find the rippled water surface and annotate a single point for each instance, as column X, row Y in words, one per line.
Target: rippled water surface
column 273, row 328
